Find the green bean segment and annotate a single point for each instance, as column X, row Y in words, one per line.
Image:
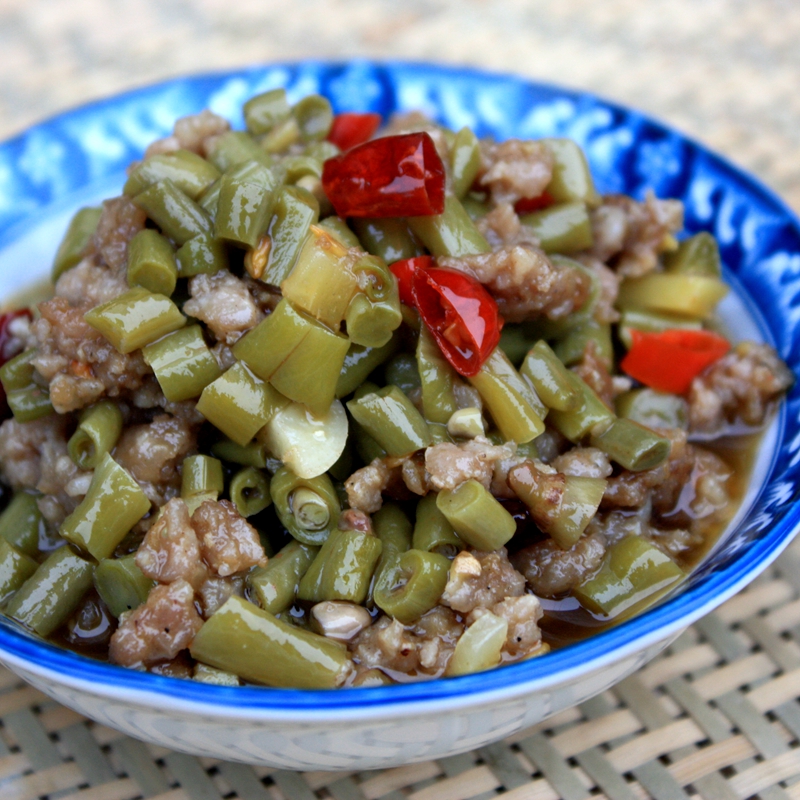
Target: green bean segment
column 244, row 207
column 235, row 147
column 15, row 569
column 275, row 585
column 190, row 173
column 201, row 480
column 249, row 491
column 111, row 507
column 178, row 216
column 393, row 528
column 465, row 161
column 632, row 446
column 401, row 371
column 307, row 507
column 182, row 363
column 49, row 597
column 264, row 111
column 419, row 583
column 562, row 228
column 476, row 516
column 339, row 229
column 360, row 362
column 697, row 255
column 121, row 584
column 97, row 433
column 390, row 239
column 151, row 263
column 437, row 379
column 577, row 423
column 314, row 117
column 511, row 399
column 451, row 233
column 22, row 524
column 693, row 296
column 651, row 322
column 433, row 533
column 374, row 314
column 550, row 378
column 135, row 319
column 343, row 568
column 391, row 419
column 26, row 399
column 571, row 348
column 247, row 641
column 76, row 239
column 633, row 571
column 653, row 409
column 572, row 179
column 238, row 403
column 201, row 255
column 479, row 647
column 252, row 454
column 293, row 217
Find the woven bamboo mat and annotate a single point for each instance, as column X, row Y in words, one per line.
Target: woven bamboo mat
column 717, row 715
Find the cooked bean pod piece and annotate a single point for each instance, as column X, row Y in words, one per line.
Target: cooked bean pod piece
column 697, row 255
column 653, row 409
column 571, row 347
column 239, row 403
column 121, row 584
column 433, row 533
column 22, row 524
column 401, row 371
column 651, row 322
column 178, row 216
column 374, row 313
column 451, row 233
column 201, row 480
column 631, row 445
column 340, row 231
column 15, row 569
column 309, row 508
column 562, row 228
column 266, row 110
column 476, row 516
column 252, row 454
column 190, row 173
column 577, row 423
column 26, row 399
column 418, row 585
column 510, row 398
column 183, row 364
column 49, row 597
column 275, row 585
column 343, row 568
column 572, row 178
column 390, row 239
column 244, row 206
column 550, row 378
column 673, row 293
column 249, row 491
column 135, row 318
column 437, row 379
column 392, row 527
column 391, row 419
column 633, row 570
column 236, row 147
column 465, row 161
column 79, row 233
column 245, row 640
column 97, row 433
column 314, row 117
column 202, row 255
column 111, row 507
column 151, row 262
column 360, row 362
column 479, row 647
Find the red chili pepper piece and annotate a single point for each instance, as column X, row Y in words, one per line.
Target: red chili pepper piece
column 9, row 347
column 396, row 176
column 526, row 205
column 351, row 128
column 460, row 314
column 669, row 361
column 404, row 272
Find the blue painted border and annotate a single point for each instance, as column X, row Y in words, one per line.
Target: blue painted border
column 760, row 241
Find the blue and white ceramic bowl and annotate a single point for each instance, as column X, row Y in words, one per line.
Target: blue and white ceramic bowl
column 79, row 157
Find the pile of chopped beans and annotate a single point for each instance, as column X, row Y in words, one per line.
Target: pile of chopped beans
column 332, row 402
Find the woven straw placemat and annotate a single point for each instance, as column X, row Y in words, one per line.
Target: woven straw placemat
column 717, row 715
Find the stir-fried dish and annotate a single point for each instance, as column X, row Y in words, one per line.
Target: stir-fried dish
column 329, row 402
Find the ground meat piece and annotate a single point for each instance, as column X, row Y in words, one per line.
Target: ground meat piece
column 636, row 236
column 79, row 364
column 365, row 486
column 191, row 133
column 354, row 520
column 119, row 222
column 515, row 169
column 479, row 580
column 675, row 542
column 422, row 648
column 605, row 310
column 593, row 368
column 449, row 465
column 583, row 462
column 737, row 388
column 90, row 284
column 414, row 475
column 170, row 550
column 502, row 228
column 552, row 572
column 153, row 453
column 158, row 630
column 215, row 591
column 522, row 614
column 663, row 484
column 223, row 302
column 525, row 282
column 228, row 542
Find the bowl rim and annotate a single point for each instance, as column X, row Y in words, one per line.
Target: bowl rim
column 53, row 664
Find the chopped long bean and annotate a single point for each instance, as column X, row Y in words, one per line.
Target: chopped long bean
column 15, row 569
column 697, row 255
column 419, row 583
column 249, row 491
column 653, row 409
column 76, row 239
column 673, row 293
column 437, row 379
column 178, row 216
column 307, row 507
column 201, row 255
column 99, row 428
column 479, row 647
column 236, row 147
column 451, row 233
column 360, row 362
column 550, row 378
column 22, row 523
column 266, row 110
column 121, row 584
column 294, row 213
column 190, row 173
column 201, row 480
column 563, row 228
column 433, row 533
column 465, row 161
column 476, row 516
column 572, row 179
column 631, row 445
column 390, row 239
column 275, row 585
column 151, row 262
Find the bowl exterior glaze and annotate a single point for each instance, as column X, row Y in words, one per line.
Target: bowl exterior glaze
column 80, row 157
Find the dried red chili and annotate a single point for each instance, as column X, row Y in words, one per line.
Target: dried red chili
column 351, row 128
column 669, row 361
column 525, row 205
column 404, row 272
column 395, row 176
